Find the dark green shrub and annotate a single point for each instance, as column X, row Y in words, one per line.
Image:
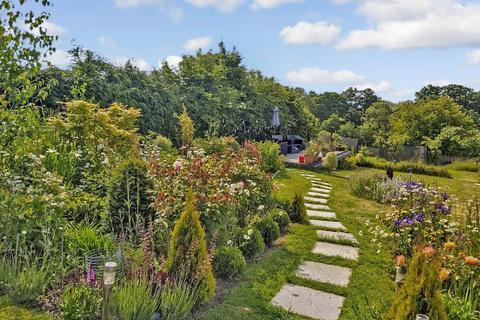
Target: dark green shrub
column 250, row 241
column 134, row 300
column 80, row 302
column 281, row 218
column 298, row 212
column 188, row 251
column 228, row 262
column 421, row 291
column 130, row 198
column 216, row 144
column 272, row 161
column 177, row 299
column 269, row 230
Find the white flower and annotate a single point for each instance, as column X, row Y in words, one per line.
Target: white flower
column 367, row 223
column 360, row 233
column 261, row 207
column 249, row 232
column 246, row 237
column 24, row 232
column 229, row 242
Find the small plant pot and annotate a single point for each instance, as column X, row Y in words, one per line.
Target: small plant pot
column 309, row 159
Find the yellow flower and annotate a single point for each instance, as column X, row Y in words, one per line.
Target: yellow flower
column 444, row 274
column 449, row 245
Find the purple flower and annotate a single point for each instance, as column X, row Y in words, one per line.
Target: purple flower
column 409, row 221
column 419, row 217
column 442, row 208
column 91, row 278
column 398, row 222
column 445, row 196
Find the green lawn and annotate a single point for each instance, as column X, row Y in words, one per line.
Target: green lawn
column 371, row 285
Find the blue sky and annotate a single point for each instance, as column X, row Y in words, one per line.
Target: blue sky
column 393, row 46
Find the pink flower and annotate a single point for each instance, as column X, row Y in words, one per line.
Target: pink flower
column 177, row 165
column 91, row 278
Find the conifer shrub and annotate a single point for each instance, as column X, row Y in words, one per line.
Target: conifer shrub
column 250, row 241
column 330, row 162
column 269, row 230
column 421, row 291
column 130, row 198
column 298, row 212
column 281, row 218
column 228, row 262
column 188, row 253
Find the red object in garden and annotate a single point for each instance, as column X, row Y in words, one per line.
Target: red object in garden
column 301, row 158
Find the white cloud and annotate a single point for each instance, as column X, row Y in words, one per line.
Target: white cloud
column 60, row 58
column 173, row 11
column 107, row 42
column 314, row 75
column 51, row 28
column 305, row 32
column 269, row 4
column 136, row 62
column 416, row 24
column 198, row 43
column 439, row 83
column 221, row 5
column 172, row 61
column 474, row 57
column 402, row 93
column 382, row 86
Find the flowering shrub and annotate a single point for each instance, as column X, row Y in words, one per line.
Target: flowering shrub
column 418, row 215
column 230, row 188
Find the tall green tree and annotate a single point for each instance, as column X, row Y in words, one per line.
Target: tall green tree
column 24, row 45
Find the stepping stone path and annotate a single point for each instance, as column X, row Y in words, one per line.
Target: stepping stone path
column 310, row 302
column 321, row 214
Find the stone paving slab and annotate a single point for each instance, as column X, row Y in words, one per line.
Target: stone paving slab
column 325, row 273
column 316, row 180
column 307, row 175
column 308, row 302
column 320, row 189
column 317, row 194
column 317, row 206
column 315, row 200
column 336, row 250
column 336, row 235
column 328, row 224
column 321, row 185
column 321, row 214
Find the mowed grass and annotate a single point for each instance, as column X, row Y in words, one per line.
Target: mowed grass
column 371, row 285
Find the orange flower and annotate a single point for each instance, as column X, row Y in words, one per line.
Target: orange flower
column 471, row 261
column 401, row 260
column 429, row 251
column 444, row 274
column 449, row 245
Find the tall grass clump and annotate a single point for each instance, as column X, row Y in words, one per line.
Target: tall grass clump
column 405, row 166
column 134, row 300
column 178, row 298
